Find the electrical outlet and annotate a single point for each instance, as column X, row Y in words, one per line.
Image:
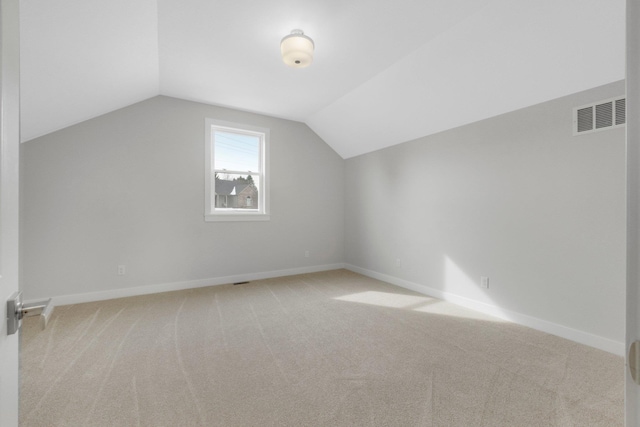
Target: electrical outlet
column 306, row 254
column 122, row 270
column 398, row 262
column 484, row 282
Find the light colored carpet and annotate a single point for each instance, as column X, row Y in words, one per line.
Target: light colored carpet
column 324, row 349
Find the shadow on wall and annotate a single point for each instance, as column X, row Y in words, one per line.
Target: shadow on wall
column 457, row 282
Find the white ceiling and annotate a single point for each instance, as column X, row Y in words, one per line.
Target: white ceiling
column 384, row 71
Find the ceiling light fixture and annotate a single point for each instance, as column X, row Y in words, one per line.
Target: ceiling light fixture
column 297, row 49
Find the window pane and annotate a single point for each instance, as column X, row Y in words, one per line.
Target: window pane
column 233, row 191
column 236, row 152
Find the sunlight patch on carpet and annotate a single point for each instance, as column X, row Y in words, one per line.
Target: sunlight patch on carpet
column 422, row 304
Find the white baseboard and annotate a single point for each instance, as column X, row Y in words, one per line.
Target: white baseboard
column 581, row 337
column 190, row 284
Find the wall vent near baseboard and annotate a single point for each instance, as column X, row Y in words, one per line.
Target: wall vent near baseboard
column 602, row 115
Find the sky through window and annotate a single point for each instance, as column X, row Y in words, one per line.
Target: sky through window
column 237, row 152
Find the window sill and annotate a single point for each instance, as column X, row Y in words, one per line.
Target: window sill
column 236, row 217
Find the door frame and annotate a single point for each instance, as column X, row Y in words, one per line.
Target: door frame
column 632, row 333
column 9, row 202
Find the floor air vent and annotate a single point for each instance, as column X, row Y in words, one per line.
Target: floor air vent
column 608, row 114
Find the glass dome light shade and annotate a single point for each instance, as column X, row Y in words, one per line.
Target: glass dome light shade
column 297, row 49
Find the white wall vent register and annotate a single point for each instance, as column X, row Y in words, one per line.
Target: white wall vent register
column 602, row 115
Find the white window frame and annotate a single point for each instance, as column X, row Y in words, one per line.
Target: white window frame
column 211, row 213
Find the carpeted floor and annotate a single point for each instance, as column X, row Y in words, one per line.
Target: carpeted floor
column 324, row 349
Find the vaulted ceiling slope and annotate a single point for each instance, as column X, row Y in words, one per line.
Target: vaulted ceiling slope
column 384, row 72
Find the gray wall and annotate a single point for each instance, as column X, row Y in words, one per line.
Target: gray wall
column 128, row 188
column 516, row 198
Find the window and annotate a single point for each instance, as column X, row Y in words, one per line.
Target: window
column 236, row 180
